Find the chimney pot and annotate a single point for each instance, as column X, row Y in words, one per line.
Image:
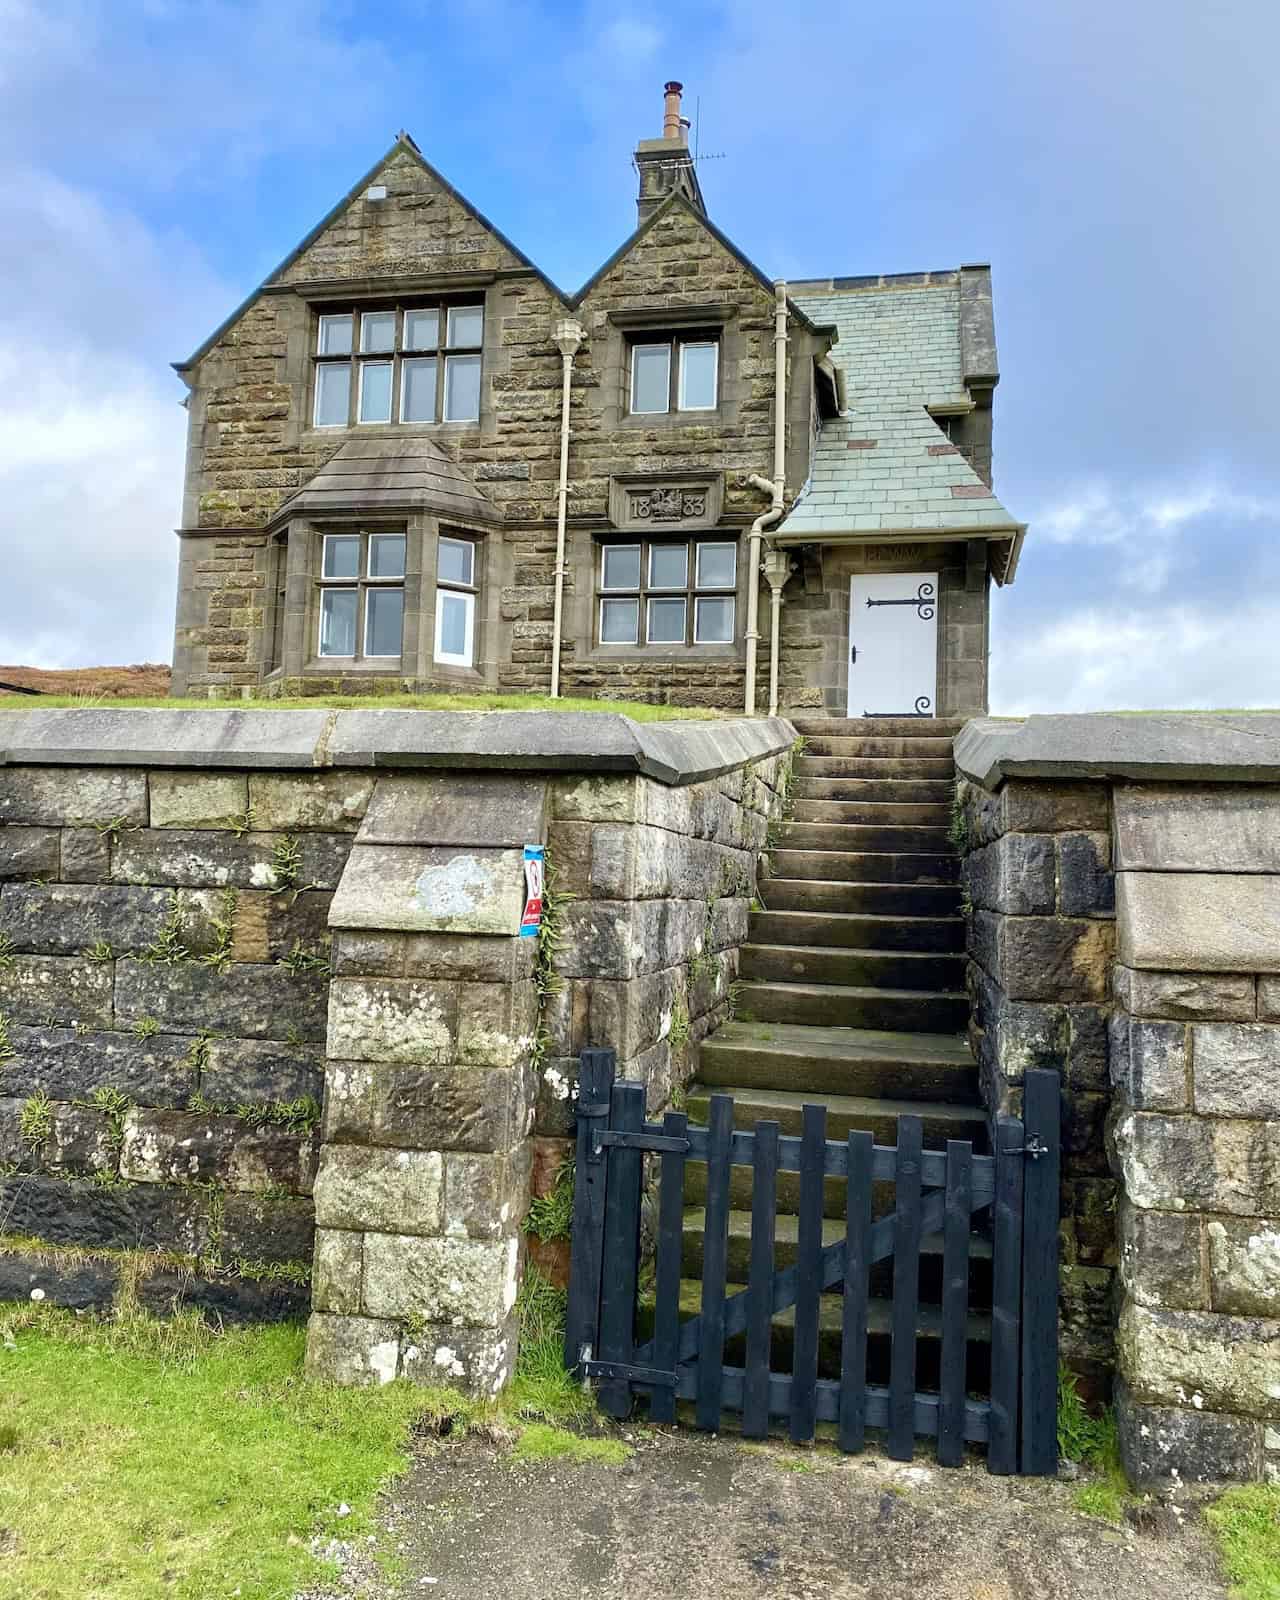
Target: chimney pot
column 673, row 124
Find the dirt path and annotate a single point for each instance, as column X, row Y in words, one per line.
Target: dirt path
column 690, row 1518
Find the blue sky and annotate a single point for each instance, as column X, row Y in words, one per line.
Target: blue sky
column 1116, row 162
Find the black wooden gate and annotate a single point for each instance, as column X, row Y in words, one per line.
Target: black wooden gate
column 1003, row 1207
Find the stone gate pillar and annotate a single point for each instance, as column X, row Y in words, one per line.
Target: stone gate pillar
column 423, row 1173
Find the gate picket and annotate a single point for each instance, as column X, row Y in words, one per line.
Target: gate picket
column 857, row 1278
column 596, row 1070
column 955, row 1302
column 804, row 1360
column 1042, row 1116
column 619, row 1269
column 666, row 1314
column 1006, row 1291
column 764, row 1205
column 906, row 1290
column 715, row 1247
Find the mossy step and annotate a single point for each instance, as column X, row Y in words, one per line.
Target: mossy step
column 877, row 791
column 895, row 767
column 873, row 813
column 848, row 866
column 866, row 837
column 849, row 931
column 787, row 893
column 890, row 969
column 877, row 727
column 937, row 748
column 853, row 1006
column 823, row 1061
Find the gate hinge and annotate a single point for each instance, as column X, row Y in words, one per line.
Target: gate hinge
column 621, row 1371
column 641, row 1140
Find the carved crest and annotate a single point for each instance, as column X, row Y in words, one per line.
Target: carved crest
column 636, row 503
column 669, row 505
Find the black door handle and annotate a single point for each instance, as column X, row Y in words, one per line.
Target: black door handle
column 853, row 654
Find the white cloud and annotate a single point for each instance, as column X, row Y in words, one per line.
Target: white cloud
column 1184, row 657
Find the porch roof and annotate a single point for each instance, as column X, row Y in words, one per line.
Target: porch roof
column 394, row 474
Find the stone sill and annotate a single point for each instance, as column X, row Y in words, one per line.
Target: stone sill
column 1177, row 747
column 674, row 752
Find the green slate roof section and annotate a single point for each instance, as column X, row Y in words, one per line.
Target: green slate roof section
column 887, row 466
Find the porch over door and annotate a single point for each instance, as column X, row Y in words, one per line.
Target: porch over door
column 893, row 644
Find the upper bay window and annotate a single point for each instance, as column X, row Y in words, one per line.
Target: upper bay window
column 361, row 602
column 680, row 373
column 668, row 592
column 415, row 363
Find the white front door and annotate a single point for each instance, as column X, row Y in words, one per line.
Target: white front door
column 893, row 644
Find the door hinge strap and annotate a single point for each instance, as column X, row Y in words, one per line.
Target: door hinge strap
column 639, row 1140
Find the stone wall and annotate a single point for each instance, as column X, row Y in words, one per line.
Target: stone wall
column 1040, row 907
column 212, row 921
column 163, row 977
column 1188, row 810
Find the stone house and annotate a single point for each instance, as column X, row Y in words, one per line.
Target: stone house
column 415, row 462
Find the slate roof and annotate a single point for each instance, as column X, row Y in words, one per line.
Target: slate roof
column 887, row 466
column 410, row 473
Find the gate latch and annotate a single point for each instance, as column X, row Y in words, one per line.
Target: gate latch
column 1034, row 1148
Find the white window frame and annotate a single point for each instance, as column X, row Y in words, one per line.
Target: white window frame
column 376, row 422
column 466, row 592
column 714, row 544
column 621, row 588
column 336, row 316
column 331, row 366
column 723, row 596
column 699, row 344
column 373, row 585
column 390, row 351
column 335, row 586
column 654, row 411
column 405, row 363
column 673, row 588
column 632, row 599
column 680, row 598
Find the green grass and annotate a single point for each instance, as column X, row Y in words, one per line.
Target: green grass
column 1246, row 1525
column 379, row 702
column 1092, row 1441
column 142, row 1459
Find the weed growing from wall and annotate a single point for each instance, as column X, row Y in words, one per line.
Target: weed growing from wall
column 145, row 1028
column 7, row 952
column 223, row 923
column 6, row 1044
column 300, row 959
column 678, row 1033
column 35, row 1120
column 286, row 864
column 169, row 947
column 550, row 1216
column 100, row 950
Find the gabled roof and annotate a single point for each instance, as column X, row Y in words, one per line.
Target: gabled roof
column 401, row 474
column 402, row 142
column 887, row 467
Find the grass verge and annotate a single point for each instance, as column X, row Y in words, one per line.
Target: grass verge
column 367, row 702
column 141, row 1459
column 1246, row 1525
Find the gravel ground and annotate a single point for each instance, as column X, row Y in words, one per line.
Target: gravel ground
column 689, row 1517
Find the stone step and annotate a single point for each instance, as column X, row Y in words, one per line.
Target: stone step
column 785, row 893
column 830, row 1324
column 870, row 837
column 913, row 791
column 872, row 813
column 878, row 727
column 843, row 930
column 846, row 1113
column 849, row 866
column 877, row 969
column 835, row 1005
column 874, row 749
column 821, row 1062
column 786, row 1239
column 875, row 767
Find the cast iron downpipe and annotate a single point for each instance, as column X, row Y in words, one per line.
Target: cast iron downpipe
column 568, row 336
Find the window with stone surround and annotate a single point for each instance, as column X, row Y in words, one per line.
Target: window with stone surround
column 667, row 593
column 410, row 363
column 673, row 372
column 360, row 606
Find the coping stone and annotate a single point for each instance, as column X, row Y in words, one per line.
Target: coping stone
column 674, row 752
column 1173, row 747
column 138, row 736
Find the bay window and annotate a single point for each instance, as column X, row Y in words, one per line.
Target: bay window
column 361, row 596
column 455, row 602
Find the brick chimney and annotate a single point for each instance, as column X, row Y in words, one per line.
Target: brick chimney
column 665, row 164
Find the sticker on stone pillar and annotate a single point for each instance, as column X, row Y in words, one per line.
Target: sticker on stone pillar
column 534, row 868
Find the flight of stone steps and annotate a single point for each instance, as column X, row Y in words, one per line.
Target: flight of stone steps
column 853, row 995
